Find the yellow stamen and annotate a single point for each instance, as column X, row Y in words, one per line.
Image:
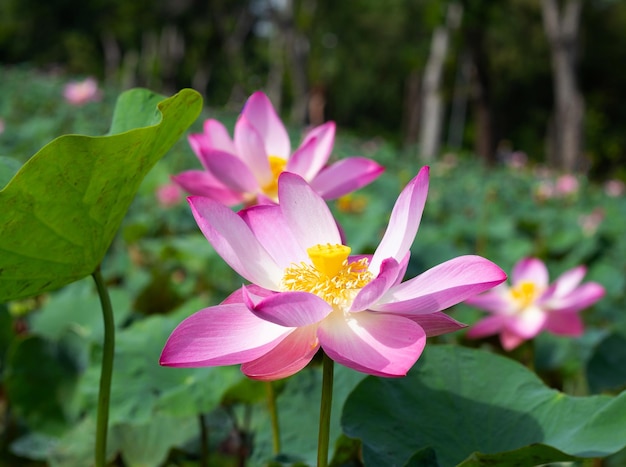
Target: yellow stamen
column 525, row 293
column 277, row 166
column 330, row 277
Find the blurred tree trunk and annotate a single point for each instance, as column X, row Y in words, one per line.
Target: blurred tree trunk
column 431, row 115
column 561, row 26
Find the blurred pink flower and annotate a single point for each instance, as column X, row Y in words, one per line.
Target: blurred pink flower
column 169, row 195
column 1, row 126
column 531, row 305
column 614, row 188
column 589, row 223
column 245, row 169
column 81, row 92
column 307, row 291
column 566, row 185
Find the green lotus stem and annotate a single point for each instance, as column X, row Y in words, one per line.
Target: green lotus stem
column 108, row 347
column 325, row 405
column 271, row 405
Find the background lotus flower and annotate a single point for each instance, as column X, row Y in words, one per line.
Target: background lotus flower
column 169, row 195
column 309, row 293
column 530, row 305
column 245, row 169
column 81, row 92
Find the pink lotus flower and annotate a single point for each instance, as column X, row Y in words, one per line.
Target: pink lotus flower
column 307, row 291
column 245, row 169
column 81, row 92
column 531, row 305
column 169, row 195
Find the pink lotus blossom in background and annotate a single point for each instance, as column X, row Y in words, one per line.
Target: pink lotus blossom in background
column 81, row 92
column 308, row 292
column 566, row 185
column 531, row 305
column 614, row 188
column 169, row 195
column 1, row 126
column 245, row 169
column 589, row 223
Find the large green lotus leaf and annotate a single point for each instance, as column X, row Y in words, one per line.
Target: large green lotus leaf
column 60, row 212
column 41, row 379
column 605, row 369
column 460, row 401
column 149, row 444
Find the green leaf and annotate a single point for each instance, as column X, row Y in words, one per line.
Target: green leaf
column 605, row 369
column 41, row 380
column 536, row 454
column 459, row 401
column 77, row 307
column 148, row 445
column 62, row 209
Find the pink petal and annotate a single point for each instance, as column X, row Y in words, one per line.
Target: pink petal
column 569, row 280
column 346, row 176
column 290, row 309
column 583, row 297
column 377, row 287
column 201, row 183
column 565, row 283
column 510, row 340
column 527, row 323
column 302, row 160
column 291, row 355
column 486, row 327
column 306, row 212
column 496, row 300
column 261, row 114
column 531, row 270
column 251, row 290
column 235, row 242
column 435, row 324
column 404, row 222
column 217, row 136
column 221, row 335
column 231, row 171
column 442, row 286
column 251, row 150
column 565, row 324
column 314, row 151
column 265, row 221
column 374, row 343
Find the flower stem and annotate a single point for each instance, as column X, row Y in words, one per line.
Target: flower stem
column 108, row 348
column 325, row 406
column 271, row 404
